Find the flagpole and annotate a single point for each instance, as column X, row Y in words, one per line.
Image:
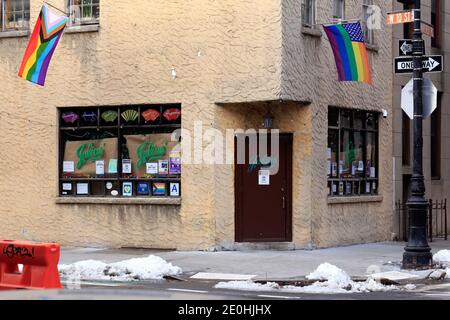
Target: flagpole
column 49, row 4
column 335, row 22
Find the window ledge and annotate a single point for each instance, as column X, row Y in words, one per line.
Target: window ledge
column 14, row 34
column 372, row 47
column 311, row 32
column 82, row 28
column 361, row 199
column 119, row 201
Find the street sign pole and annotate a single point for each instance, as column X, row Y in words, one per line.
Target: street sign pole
column 417, row 252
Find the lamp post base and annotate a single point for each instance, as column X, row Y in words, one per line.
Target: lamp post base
column 417, row 260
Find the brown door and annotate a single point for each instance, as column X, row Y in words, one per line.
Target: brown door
column 264, row 206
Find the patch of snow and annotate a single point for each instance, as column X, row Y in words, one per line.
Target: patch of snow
column 438, row 275
column 330, row 280
column 147, row 268
column 442, row 258
column 410, row 287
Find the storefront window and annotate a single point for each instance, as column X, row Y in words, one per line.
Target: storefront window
column 352, row 152
column 125, row 151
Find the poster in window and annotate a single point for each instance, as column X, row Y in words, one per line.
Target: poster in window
column 112, row 166
column 150, row 148
column 159, row 189
column 68, row 166
column 100, row 167
column 143, row 189
column 175, row 163
column 84, row 154
column 163, row 166
column 82, row 188
column 126, row 166
column 151, row 168
column 174, row 189
column 127, row 189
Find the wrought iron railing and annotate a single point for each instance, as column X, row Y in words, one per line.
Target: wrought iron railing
column 437, row 220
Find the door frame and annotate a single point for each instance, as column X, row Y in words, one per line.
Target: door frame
column 239, row 191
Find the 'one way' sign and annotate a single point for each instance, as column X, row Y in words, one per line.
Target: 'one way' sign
column 403, row 65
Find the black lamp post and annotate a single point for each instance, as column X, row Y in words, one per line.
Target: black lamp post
column 417, row 253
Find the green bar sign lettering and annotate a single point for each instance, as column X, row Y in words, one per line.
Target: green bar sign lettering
column 147, row 151
column 91, row 154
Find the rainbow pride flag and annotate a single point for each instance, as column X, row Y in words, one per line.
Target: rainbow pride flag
column 349, row 49
column 44, row 39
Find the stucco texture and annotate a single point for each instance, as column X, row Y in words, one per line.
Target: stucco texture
column 230, row 52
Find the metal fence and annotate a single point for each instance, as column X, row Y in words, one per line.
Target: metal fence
column 437, row 223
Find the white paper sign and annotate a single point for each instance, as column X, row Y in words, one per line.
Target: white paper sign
column 152, row 168
column 367, row 187
column 68, row 166
column 174, row 189
column 372, row 172
column 67, row 186
column 82, row 188
column 100, row 167
column 329, row 153
column 264, row 177
column 360, row 166
column 126, row 166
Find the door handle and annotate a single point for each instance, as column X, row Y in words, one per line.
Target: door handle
column 283, row 199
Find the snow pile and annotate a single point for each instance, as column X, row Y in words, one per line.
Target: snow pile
column 148, row 268
column 330, row 280
column 442, row 258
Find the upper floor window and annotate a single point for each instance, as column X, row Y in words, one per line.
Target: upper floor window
column 339, row 9
column 367, row 12
column 309, row 13
column 83, row 12
column 14, row 15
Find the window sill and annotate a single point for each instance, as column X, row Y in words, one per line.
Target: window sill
column 14, row 34
column 119, row 201
column 361, row 199
column 311, row 32
column 82, row 28
column 372, row 47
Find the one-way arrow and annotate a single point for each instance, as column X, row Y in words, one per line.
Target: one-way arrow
column 429, row 64
column 406, row 48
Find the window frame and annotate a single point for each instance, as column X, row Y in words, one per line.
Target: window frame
column 338, row 4
column 71, row 9
column 369, row 34
column 308, row 13
column 121, row 128
column 360, row 182
column 25, row 14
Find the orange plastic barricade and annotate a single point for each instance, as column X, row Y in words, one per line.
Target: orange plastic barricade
column 40, row 265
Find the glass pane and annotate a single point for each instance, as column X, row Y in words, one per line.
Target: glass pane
column 95, row 12
column 346, row 118
column 371, row 162
column 358, row 120
column 351, row 157
column 333, row 117
column 371, row 121
column 333, row 141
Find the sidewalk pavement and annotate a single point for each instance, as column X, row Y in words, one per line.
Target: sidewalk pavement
column 356, row 260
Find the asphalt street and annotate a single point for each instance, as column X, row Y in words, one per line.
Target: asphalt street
column 204, row 290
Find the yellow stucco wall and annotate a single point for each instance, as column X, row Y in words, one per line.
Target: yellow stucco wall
column 225, row 51
column 219, row 49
